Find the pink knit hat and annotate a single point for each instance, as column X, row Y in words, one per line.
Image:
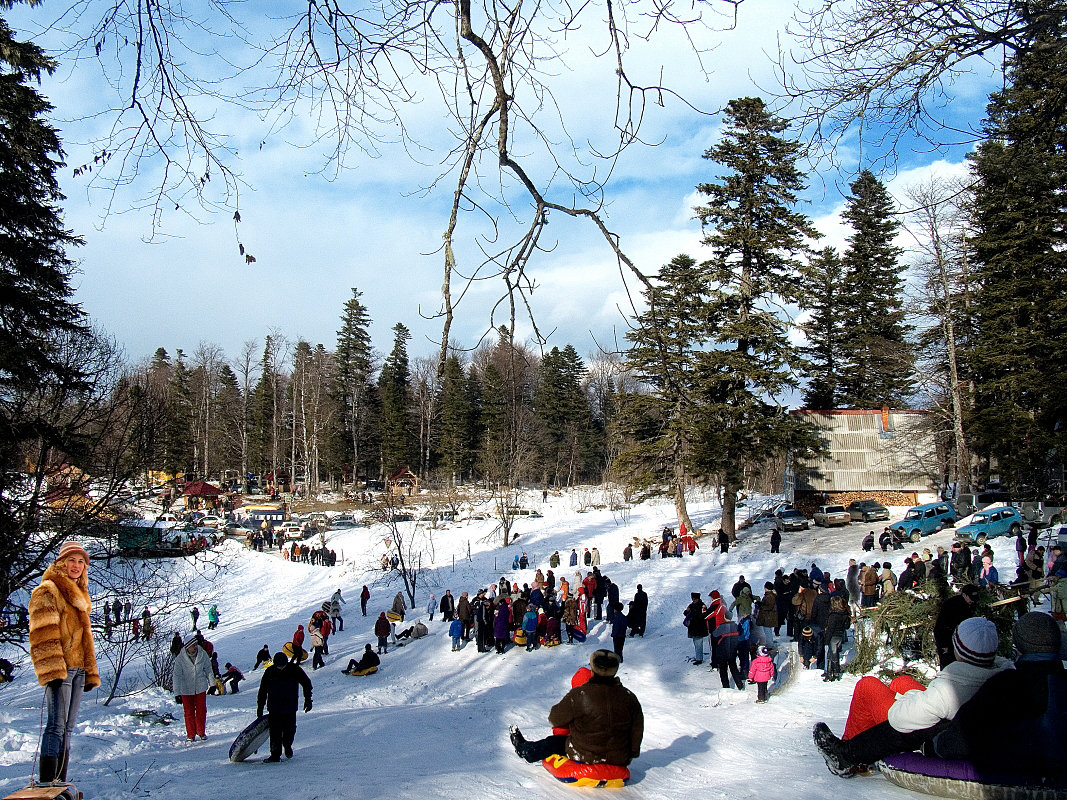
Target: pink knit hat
column 72, row 548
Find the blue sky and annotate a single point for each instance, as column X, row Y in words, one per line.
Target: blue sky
column 376, row 225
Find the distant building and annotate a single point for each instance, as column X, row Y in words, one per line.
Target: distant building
column 885, row 455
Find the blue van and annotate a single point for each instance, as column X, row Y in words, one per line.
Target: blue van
column 923, row 520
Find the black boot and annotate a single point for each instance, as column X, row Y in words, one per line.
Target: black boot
column 518, row 741
column 64, row 761
column 49, row 768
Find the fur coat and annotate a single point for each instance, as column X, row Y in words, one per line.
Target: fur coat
column 61, row 635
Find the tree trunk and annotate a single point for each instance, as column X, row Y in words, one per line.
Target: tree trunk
column 729, row 511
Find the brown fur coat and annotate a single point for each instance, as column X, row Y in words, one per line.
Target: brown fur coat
column 61, row 636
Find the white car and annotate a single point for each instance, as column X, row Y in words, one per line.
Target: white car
column 291, row 531
column 211, row 521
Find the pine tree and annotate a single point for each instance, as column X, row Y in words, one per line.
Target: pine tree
column 877, row 365
column 757, row 240
column 179, row 456
column 824, row 330
column 1020, row 252
column 394, row 386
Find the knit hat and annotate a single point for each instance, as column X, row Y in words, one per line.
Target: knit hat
column 761, row 650
column 715, row 595
column 807, row 632
column 604, row 663
column 70, row 549
column 975, row 642
column 1036, row 632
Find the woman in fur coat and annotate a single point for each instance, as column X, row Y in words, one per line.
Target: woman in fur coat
column 61, row 647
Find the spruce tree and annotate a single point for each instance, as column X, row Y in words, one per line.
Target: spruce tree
column 394, row 386
column 824, row 330
column 1020, row 252
column 354, row 360
column 758, row 240
column 654, row 430
column 36, row 304
column 179, row 456
column 456, row 443
column 877, row 365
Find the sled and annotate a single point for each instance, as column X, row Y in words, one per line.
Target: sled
column 287, row 648
column 578, row 635
column 786, row 670
column 520, row 637
column 147, row 715
column 250, row 740
column 360, row 672
column 963, row 780
column 220, row 687
column 392, row 616
column 47, row 791
column 574, row 773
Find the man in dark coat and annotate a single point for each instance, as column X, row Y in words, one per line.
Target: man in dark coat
column 740, row 584
column 638, row 615
column 1000, row 727
column 953, row 611
column 279, row 692
column 776, row 540
column 724, row 541
column 603, row 718
column 448, row 606
column 725, row 644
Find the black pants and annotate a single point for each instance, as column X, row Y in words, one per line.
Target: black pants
column 884, row 740
column 282, row 732
column 730, row 662
column 555, row 745
column 363, row 606
column 619, row 642
column 316, row 660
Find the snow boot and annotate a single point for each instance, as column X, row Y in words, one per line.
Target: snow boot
column 49, row 768
column 831, row 748
column 518, row 741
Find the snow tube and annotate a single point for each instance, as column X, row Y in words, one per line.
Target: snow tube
column 520, row 637
column 287, row 648
column 367, row 671
column 250, row 739
column 393, row 616
column 574, row 773
column 964, row 780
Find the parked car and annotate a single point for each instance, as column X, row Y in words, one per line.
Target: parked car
column 925, row 519
column 831, row 515
column 169, row 519
column 968, row 503
column 236, row 529
column 790, row 519
column 210, row 521
column 867, row 511
column 989, row 524
column 1045, row 512
column 291, row 531
column 342, row 521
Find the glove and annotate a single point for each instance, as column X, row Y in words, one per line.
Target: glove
column 307, row 705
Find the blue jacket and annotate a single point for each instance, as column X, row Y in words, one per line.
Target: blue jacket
column 574, row 558
column 618, row 625
column 529, row 621
column 456, row 628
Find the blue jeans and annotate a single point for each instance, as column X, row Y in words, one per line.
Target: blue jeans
column 698, row 647
column 62, row 703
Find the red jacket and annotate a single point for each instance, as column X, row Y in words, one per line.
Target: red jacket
column 298, row 637
column 589, row 584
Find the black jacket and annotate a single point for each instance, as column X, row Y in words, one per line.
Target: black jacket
column 279, row 689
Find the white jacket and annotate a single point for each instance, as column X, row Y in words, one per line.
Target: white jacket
column 951, row 688
column 189, row 676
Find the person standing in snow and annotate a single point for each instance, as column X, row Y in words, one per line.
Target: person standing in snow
column 618, row 629
column 638, row 616
column 455, row 630
column 382, row 627
column 696, row 626
column 724, row 542
column 529, row 628
column 195, row 614
column 191, row 677
column 594, row 557
column 573, row 561
column 336, row 620
column 448, row 605
column 212, row 617
column 279, row 693
column 63, row 652
column 298, row 643
column 761, row 672
column 502, row 626
column 431, row 606
column 399, row 606
column 364, row 596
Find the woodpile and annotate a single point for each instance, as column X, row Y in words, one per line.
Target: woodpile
column 807, row 504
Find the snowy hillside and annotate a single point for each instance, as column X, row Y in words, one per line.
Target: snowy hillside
column 433, row 723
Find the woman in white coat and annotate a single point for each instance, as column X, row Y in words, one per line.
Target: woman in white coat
column 191, row 678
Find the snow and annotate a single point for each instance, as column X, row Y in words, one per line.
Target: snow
column 433, row 723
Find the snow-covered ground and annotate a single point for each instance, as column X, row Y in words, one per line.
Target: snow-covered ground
column 433, row 723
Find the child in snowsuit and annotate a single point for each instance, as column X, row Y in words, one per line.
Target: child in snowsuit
column 762, row 672
column 232, row 676
column 455, row 630
column 806, row 646
column 529, row 627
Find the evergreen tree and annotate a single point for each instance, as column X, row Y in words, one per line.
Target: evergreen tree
column 654, row 430
column 561, row 405
column 456, row 443
column 1020, row 253
column 35, row 290
column 354, row 360
column 877, row 365
column 394, row 385
column 757, row 238
column 179, row 457
column 824, row 330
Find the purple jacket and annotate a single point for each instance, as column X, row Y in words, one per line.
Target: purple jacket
column 502, row 623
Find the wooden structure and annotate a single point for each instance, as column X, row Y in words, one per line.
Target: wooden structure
column 885, row 455
column 403, row 483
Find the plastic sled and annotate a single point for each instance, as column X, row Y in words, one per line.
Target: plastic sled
column 287, row 648
column 574, row 773
column 361, row 672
